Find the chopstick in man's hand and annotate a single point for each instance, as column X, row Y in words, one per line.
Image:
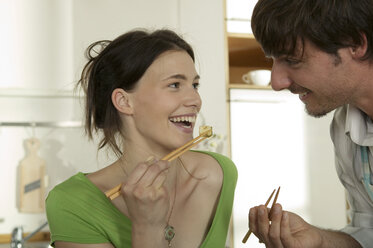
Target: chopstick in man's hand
column 270, row 211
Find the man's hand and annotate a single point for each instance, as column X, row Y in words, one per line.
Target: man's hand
column 285, row 229
column 288, row 230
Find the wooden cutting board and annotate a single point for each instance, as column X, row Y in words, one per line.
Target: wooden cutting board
column 32, row 183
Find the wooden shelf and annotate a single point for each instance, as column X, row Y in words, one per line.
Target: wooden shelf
column 245, row 51
column 239, row 42
column 249, row 86
column 244, row 54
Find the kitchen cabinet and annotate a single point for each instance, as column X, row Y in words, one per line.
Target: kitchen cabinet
column 244, row 54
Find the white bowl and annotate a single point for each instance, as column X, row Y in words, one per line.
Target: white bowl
column 257, row 77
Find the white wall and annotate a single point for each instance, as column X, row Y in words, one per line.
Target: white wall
column 43, row 56
column 326, row 195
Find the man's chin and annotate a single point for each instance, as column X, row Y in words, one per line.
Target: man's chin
column 317, row 113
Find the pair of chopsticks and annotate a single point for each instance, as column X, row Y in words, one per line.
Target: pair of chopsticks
column 269, row 214
column 204, row 132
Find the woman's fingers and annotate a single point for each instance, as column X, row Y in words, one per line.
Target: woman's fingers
column 160, row 179
column 146, row 172
column 146, row 181
column 139, row 171
column 153, row 172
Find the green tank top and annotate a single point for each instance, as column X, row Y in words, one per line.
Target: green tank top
column 79, row 212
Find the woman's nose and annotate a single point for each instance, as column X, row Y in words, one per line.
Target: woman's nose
column 279, row 78
column 192, row 98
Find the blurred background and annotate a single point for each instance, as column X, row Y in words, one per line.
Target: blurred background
column 267, row 134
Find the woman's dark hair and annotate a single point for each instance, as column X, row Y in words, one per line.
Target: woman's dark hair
column 120, row 64
column 329, row 24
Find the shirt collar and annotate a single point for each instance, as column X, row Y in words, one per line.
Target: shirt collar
column 359, row 126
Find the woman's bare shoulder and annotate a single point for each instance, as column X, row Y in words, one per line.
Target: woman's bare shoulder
column 100, row 177
column 203, row 165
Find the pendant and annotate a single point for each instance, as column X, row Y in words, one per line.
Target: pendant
column 169, row 233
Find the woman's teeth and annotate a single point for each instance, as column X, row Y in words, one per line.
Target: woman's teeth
column 185, row 121
column 191, row 119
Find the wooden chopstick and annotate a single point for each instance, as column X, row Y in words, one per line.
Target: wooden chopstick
column 273, row 203
column 115, row 192
column 179, row 151
column 270, row 211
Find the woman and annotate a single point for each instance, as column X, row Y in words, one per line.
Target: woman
column 142, row 94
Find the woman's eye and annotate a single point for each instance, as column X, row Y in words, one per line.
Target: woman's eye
column 195, row 85
column 174, row 85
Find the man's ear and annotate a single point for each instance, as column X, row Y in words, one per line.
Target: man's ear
column 360, row 50
column 122, row 101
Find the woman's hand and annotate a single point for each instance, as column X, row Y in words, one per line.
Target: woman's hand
column 146, row 197
column 285, row 229
column 147, row 201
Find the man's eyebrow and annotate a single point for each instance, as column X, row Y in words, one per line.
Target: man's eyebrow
column 180, row 76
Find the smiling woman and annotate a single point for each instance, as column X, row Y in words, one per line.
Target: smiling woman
column 142, row 94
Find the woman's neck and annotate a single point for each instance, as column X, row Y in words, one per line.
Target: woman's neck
column 134, row 153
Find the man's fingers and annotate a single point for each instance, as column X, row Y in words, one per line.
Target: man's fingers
column 285, row 229
column 263, row 224
column 275, row 228
column 253, row 219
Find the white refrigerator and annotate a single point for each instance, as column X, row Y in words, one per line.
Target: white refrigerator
column 267, row 146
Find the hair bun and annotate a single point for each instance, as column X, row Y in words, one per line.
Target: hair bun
column 96, row 48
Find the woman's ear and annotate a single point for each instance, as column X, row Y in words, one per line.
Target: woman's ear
column 360, row 50
column 122, row 101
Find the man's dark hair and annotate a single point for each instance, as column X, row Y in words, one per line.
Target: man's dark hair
column 279, row 25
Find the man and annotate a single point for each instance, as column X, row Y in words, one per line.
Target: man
column 322, row 50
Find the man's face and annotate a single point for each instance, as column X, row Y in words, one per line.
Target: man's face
column 322, row 81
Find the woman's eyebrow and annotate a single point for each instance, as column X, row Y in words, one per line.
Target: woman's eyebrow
column 180, row 76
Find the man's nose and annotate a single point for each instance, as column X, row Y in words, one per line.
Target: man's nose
column 279, row 78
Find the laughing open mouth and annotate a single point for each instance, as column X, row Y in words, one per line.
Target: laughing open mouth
column 184, row 121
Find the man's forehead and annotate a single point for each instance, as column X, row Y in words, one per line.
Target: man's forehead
column 296, row 49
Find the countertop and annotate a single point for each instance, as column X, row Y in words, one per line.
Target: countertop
column 29, row 245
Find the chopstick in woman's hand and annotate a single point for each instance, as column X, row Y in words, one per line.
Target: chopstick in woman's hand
column 204, row 132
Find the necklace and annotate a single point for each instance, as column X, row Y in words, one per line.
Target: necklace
column 169, row 231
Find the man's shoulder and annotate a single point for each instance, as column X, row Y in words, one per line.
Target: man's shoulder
column 339, row 119
column 340, row 115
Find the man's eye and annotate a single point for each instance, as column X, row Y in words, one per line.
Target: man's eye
column 292, row 61
column 174, row 85
column 195, row 85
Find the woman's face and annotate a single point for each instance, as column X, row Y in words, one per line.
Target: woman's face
column 166, row 102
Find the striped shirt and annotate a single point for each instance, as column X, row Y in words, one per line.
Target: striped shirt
column 351, row 130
